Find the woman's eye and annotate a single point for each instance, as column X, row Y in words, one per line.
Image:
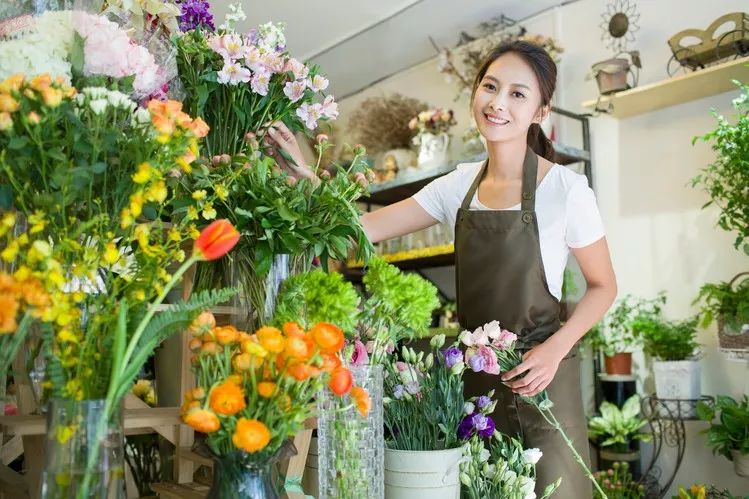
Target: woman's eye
column 489, row 86
column 519, row 95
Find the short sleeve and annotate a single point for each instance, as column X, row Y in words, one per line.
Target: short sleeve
column 432, row 197
column 584, row 224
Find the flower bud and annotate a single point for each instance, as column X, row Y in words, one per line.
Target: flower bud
column 437, row 341
column 429, row 362
column 465, row 479
column 216, row 160
column 360, row 150
column 458, row 368
column 249, row 136
column 321, row 138
column 225, row 159
column 405, row 354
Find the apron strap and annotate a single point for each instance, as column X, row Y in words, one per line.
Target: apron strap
column 475, row 185
column 528, row 196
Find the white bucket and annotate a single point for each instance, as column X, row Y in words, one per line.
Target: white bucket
column 740, row 463
column 310, row 481
column 422, row 474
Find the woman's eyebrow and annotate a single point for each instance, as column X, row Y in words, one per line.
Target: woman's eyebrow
column 523, row 85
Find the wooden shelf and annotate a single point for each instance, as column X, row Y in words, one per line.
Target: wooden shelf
column 134, row 418
column 677, row 90
column 219, row 310
column 409, row 181
column 438, row 256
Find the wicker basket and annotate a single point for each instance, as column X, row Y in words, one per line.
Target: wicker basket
column 730, row 338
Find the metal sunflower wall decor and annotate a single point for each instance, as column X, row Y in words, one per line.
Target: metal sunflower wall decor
column 619, row 24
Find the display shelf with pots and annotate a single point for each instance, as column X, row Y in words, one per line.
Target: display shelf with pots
column 677, row 90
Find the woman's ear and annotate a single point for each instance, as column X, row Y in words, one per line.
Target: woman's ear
column 542, row 113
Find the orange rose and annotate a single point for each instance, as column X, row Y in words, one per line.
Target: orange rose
column 330, row 362
column 271, row 339
column 250, row 435
column 266, row 389
column 202, row 420
column 340, row 381
column 362, row 400
column 328, row 337
column 227, row 399
column 293, row 329
column 226, row 335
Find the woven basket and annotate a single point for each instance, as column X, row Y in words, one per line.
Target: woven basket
column 731, row 339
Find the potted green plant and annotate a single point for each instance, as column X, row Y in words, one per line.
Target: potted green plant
column 615, row 336
column 616, row 430
column 729, row 436
column 674, row 348
column 728, row 303
column 617, row 482
column 725, row 180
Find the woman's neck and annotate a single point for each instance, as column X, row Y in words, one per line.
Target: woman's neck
column 506, row 159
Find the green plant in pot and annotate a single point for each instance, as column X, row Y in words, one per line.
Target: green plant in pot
column 674, row 348
column 615, row 336
column 728, row 304
column 725, row 180
column 729, row 435
column 616, row 430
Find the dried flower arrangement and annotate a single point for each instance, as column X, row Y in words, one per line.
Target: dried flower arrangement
column 381, row 123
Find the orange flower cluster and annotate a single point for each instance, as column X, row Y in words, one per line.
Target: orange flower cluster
column 42, row 88
column 168, row 119
column 258, row 388
column 16, row 295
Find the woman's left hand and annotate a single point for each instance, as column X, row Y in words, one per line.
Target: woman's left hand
column 540, row 364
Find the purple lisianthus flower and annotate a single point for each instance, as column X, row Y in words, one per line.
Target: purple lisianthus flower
column 465, row 428
column 477, row 363
column 452, row 355
column 478, row 423
column 487, row 424
column 398, row 391
column 413, row 388
column 195, row 14
column 483, row 402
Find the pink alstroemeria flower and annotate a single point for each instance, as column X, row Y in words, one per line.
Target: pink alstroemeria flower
column 330, row 108
column 233, row 74
column 294, row 90
column 475, row 339
column 298, row 68
column 260, row 82
column 310, row 113
column 318, row 83
column 232, row 48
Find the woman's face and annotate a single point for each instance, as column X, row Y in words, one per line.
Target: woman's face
column 507, row 100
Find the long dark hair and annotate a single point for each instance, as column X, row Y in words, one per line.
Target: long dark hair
column 545, row 70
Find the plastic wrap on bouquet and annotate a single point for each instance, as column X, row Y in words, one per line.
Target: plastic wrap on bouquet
column 77, row 451
column 351, row 447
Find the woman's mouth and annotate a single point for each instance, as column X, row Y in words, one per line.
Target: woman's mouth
column 495, row 120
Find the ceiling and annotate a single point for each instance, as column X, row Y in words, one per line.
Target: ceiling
column 357, row 43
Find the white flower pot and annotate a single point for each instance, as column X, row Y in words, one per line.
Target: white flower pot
column 432, row 149
column 678, row 380
column 740, row 463
column 428, row 474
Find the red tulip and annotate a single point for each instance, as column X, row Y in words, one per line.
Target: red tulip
column 216, row 240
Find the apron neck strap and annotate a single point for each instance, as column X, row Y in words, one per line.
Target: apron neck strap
column 530, row 172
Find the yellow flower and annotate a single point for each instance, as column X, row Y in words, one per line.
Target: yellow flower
column 174, row 235
column 192, row 213
column 162, row 139
column 157, row 192
column 209, row 212
column 198, row 195
column 179, row 256
column 65, row 433
column 136, row 203
column 139, row 295
column 39, row 251
column 10, row 252
column 143, row 174
column 6, row 123
column 193, row 231
column 11, row 84
column 111, row 254
column 66, row 336
column 22, row 273
column 142, row 233
column 52, row 97
column 7, row 223
column 126, row 218
column 8, row 103
column 141, row 388
column 184, row 164
column 37, row 221
column 221, row 191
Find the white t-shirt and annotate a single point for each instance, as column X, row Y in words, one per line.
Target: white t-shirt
column 566, row 211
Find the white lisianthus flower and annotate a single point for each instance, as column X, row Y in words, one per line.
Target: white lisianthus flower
column 527, row 487
column 484, row 455
column 531, row 456
column 468, row 408
column 98, row 106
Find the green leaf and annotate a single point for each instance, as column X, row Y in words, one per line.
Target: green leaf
column 18, row 142
column 705, row 412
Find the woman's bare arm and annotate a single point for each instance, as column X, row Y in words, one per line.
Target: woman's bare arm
column 396, row 220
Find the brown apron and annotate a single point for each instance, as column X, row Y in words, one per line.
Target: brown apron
column 500, row 276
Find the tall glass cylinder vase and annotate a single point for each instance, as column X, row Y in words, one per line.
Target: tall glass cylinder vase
column 350, row 446
column 263, row 290
column 239, row 475
column 84, row 456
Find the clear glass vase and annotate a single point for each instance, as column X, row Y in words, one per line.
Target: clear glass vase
column 84, row 451
column 350, row 446
column 239, row 475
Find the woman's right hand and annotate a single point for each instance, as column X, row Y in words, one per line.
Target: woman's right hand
column 283, row 147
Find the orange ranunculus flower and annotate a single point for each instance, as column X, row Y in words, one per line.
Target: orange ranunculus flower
column 199, row 127
column 41, row 81
column 202, row 420
column 293, row 329
column 235, row 378
column 271, row 339
column 202, row 323
column 198, row 393
column 195, row 344
column 328, row 337
column 242, row 362
column 8, row 313
column 216, row 240
column 250, row 435
column 226, row 335
column 299, row 371
column 188, row 406
column 227, row 399
column 362, row 400
column 340, row 381
column 209, row 348
column 266, row 388
column 297, row 348
column 330, row 362
column 284, row 402
column 252, row 347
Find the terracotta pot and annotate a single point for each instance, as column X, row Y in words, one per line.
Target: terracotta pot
column 619, row 363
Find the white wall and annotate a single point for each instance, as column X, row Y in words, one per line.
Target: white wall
column 660, row 239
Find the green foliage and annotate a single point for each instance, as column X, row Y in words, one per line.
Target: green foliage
column 318, row 296
column 616, row 332
column 726, row 180
column 618, row 427
column 669, row 340
column 731, row 431
column 725, row 301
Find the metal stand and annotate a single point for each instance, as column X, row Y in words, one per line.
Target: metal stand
column 666, row 421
